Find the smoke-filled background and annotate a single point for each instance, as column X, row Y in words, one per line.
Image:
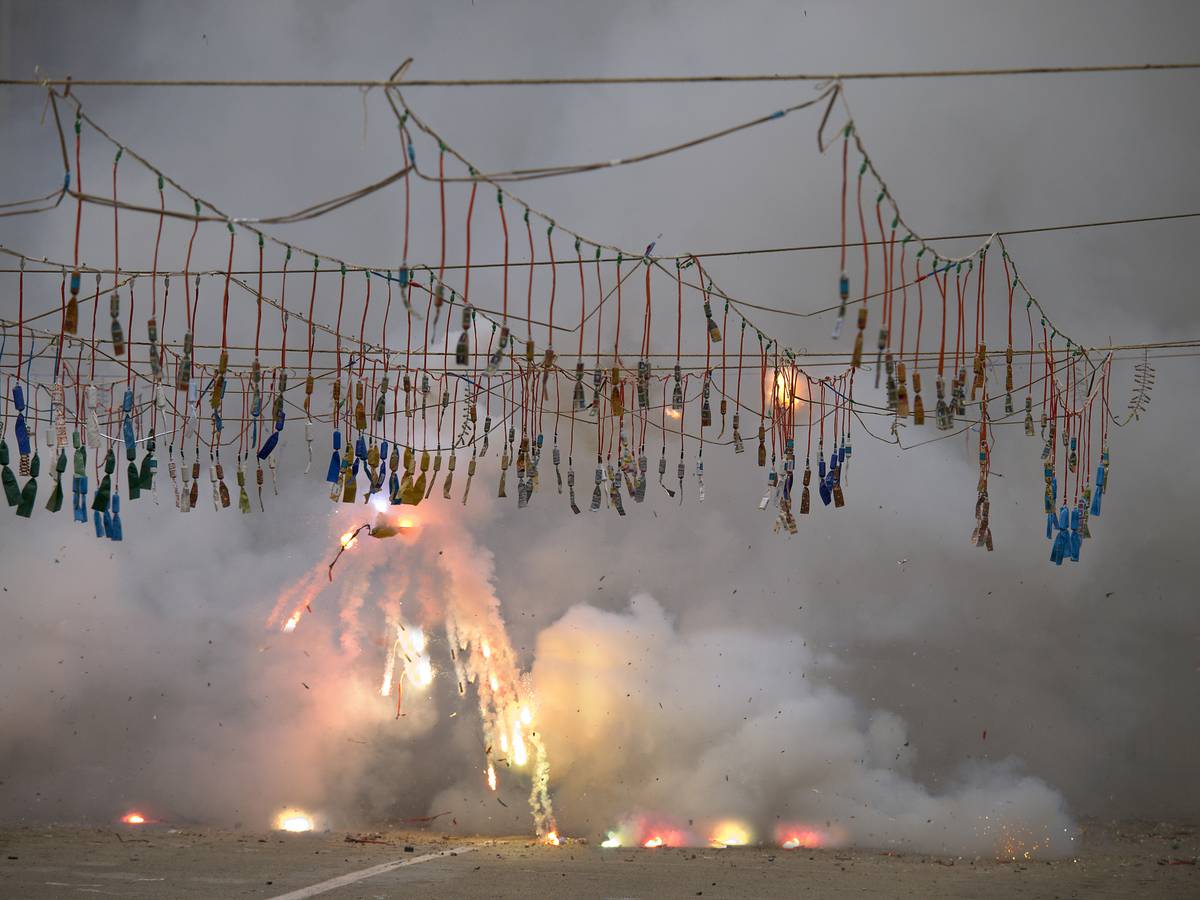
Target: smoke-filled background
column 874, row 677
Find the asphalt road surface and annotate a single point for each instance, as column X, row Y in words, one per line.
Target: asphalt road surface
column 189, row 863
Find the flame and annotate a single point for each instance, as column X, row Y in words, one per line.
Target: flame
column 494, row 682
column 295, row 820
column 674, row 413
column 552, row 839
column 611, row 841
column 784, row 384
column 792, row 837
column 407, row 523
column 491, row 776
column 348, row 540
column 423, row 676
column 133, row 818
column 730, row 833
column 410, row 644
column 486, row 649
column 526, row 715
column 520, row 757
column 290, row 625
column 655, row 841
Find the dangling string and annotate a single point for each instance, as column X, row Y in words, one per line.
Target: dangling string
column 312, row 299
column 856, row 357
column 942, row 285
column 617, row 337
column 843, row 278
column 129, row 342
column 529, row 291
column 904, row 295
column 504, row 226
column 553, row 293
column 225, row 298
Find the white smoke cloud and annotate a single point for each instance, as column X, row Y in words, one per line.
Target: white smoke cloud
column 644, row 722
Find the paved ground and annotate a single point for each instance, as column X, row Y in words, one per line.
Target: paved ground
column 43, row 862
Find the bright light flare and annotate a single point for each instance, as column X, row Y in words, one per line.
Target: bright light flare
column 133, row 818
column 520, row 755
column 526, row 716
column 675, row 414
column 552, row 839
column 423, row 672
column 611, row 841
column 348, row 540
column 491, row 776
column 290, row 625
column 294, row 820
column 730, row 833
column 653, row 842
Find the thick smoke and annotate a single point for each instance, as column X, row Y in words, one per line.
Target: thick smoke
column 682, row 731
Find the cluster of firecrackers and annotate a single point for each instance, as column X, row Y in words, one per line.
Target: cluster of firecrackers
column 400, row 423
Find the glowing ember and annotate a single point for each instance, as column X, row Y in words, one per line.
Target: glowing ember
column 730, row 834
column 611, row 841
column 133, row 818
column 294, row 820
column 655, row 841
column 348, row 540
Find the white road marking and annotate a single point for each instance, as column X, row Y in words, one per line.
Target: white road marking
column 352, row 877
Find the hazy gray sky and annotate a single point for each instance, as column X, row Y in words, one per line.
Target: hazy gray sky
column 1086, row 674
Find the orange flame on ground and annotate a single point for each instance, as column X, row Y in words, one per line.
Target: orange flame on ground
column 730, row 833
column 655, row 841
column 795, row 837
column 133, row 818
